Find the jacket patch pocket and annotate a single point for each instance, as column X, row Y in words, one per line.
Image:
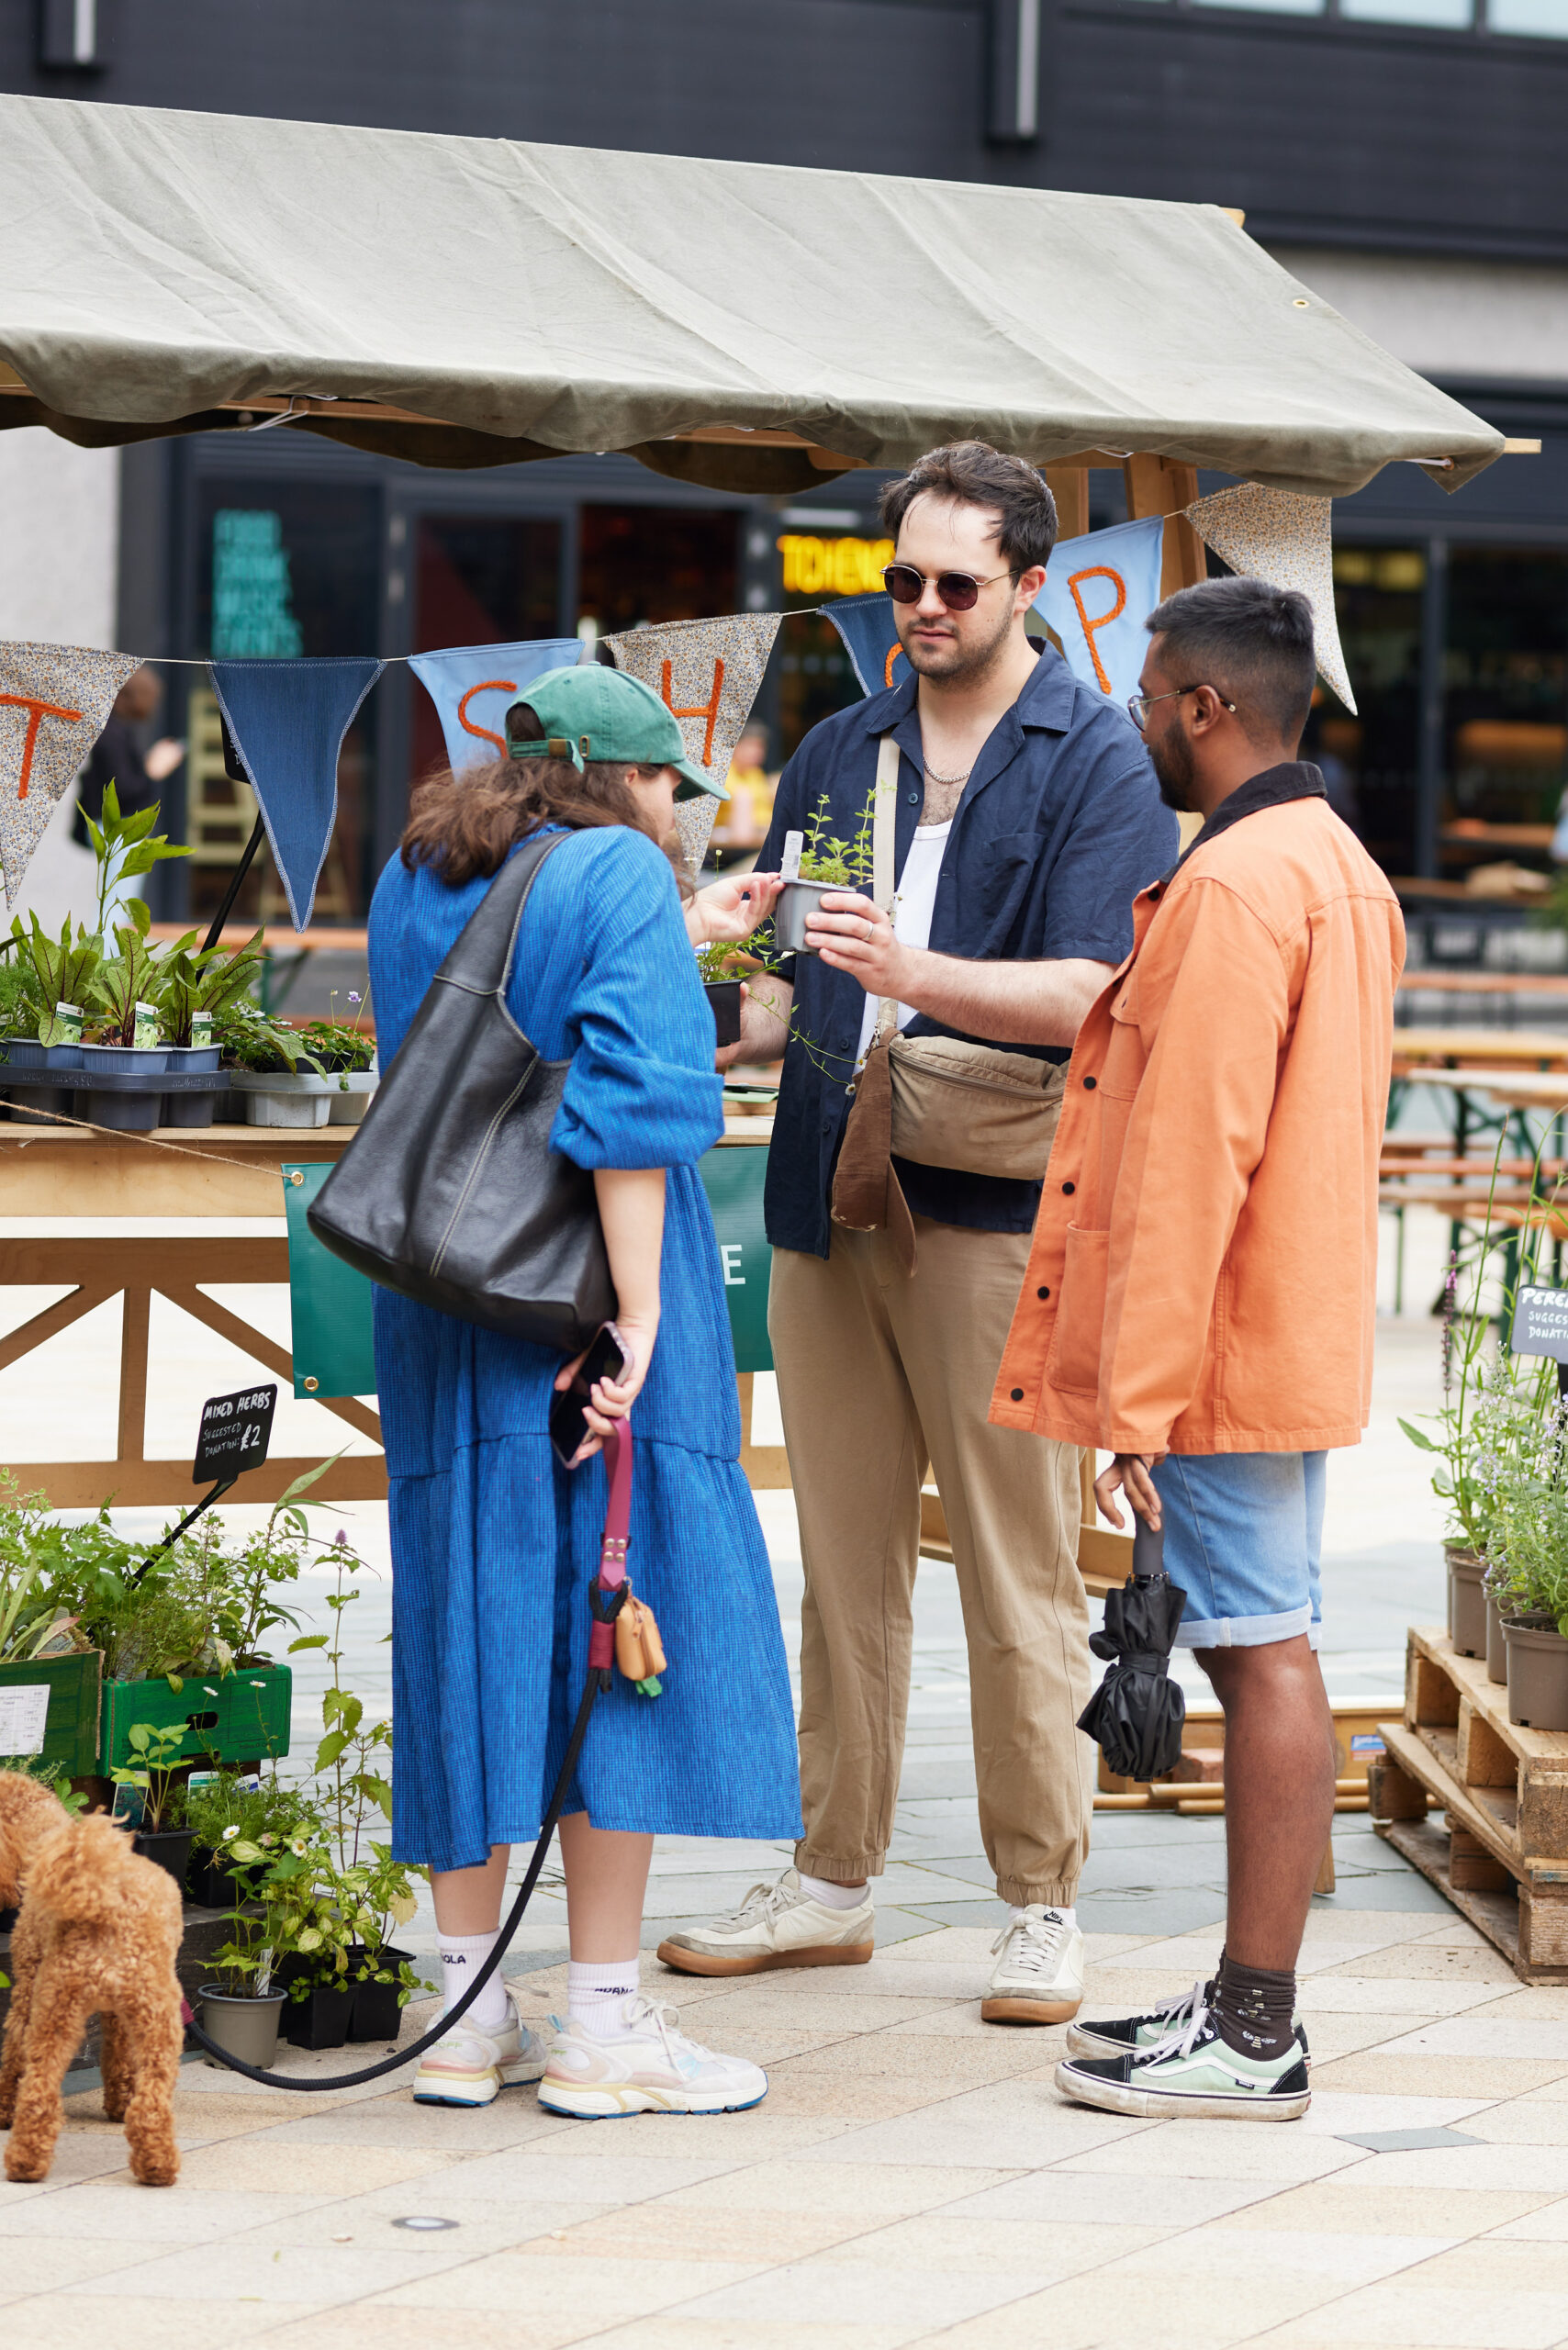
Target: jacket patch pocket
column 1074, row 1359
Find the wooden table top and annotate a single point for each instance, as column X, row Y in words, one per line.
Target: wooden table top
column 175, row 1172
column 1485, row 1047
column 1521, row 1089
column 1554, row 983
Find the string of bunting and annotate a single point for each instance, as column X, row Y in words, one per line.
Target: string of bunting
column 288, row 718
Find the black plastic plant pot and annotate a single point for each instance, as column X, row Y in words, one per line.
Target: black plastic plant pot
column 189, row 1108
column 170, row 1848
column 9, row 1920
column 122, row 1114
column 797, row 902
column 39, row 1105
column 321, row 2019
column 246, row 2028
column 207, row 1883
column 724, row 1002
column 376, row 2012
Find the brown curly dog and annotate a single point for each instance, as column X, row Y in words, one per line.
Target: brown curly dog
column 98, row 1934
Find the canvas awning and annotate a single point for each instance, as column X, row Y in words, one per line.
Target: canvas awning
column 743, row 326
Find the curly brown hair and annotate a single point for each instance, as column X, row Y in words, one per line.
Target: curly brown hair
column 463, row 821
column 976, row 474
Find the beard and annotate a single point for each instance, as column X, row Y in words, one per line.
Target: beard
column 1171, row 757
column 959, row 658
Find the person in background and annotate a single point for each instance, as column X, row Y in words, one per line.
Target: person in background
column 1200, row 1294
column 1026, row 818
column 494, row 1541
column 116, row 756
column 742, row 825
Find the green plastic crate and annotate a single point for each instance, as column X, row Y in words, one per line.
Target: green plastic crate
column 71, row 1726
column 244, row 1716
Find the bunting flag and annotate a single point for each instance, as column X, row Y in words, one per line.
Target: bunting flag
column 708, row 673
column 287, row 719
column 473, row 686
column 1099, row 592
column 1276, row 535
column 54, row 699
column 866, row 624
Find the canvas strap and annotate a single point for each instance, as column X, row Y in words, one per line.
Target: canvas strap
column 867, row 1194
column 884, row 821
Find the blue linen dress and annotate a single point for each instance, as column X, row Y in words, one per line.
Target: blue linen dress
column 493, row 1543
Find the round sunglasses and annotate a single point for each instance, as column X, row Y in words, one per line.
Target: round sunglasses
column 957, row 591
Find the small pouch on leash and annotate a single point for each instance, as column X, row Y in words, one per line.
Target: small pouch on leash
column 639, row 1651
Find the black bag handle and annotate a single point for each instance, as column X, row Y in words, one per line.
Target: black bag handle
column 481, row 958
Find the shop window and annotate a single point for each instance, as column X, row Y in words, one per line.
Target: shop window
column 480, row 579
column 1505, row 707
column 1274, row 7
column 1370, row 761
column 1453, row 15
column 640, row 564
column 286, row 570
column 1546, row 20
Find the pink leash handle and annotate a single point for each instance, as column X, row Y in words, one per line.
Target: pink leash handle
column 608, row 1590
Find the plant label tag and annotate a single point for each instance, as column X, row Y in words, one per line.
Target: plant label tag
column 1541, row 1323
column 201, row 1029
column 24, row 1709
column 144, row 1035
column 235, row 1432
column 789, row 862
column 68, row 1019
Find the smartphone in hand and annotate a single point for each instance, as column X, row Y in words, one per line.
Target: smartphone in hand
column 568, row 1421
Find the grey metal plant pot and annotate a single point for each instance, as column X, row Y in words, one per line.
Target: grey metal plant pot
column 1467, row 1601
column 246, row 2028
column 797, row 901
column 1538, row 1676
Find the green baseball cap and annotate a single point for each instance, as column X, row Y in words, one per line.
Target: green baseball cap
column 592, row 713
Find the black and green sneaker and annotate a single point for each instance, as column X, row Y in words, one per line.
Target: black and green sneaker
column 1192, row 2074
column 1127, row 2035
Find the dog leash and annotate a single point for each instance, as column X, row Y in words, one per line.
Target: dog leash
column 608, row 1592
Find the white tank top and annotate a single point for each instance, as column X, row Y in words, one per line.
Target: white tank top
column 913, row 908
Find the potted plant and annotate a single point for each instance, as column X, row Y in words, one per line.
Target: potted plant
column 825, row 864
column 343, row 1053
column 239, row 1823
column 158, row 1830
column 270, row 1910
column 54, row 976
column 263, row 1057
column 195, row 987
column 722, row 984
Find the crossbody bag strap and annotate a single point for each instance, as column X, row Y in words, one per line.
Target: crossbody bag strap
column 884, row 819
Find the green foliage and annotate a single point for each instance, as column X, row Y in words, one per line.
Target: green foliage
column 244, row 1823
column 18, row 1002
column 128, row 976
column 844, row 861
column 55, row 970
column 210, row 979
column 250, row 1040
column 125, row 847
column 154, row 1768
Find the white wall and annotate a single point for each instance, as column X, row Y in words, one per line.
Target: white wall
column 1508, row 320
column 59, row 549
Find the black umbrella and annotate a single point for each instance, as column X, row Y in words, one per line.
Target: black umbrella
column 1137, row 1711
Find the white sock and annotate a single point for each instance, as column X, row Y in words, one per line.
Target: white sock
column 600, row 1993
column 832, row 1897
column 462, row 1957
column 1053, row 1910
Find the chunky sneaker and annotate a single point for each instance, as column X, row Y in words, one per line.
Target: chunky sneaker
column 471, row 2067
column 1038, row 1978
column 652, row 2068
column 1123, row 2035
column 776, row 1925
column 1194, row 2074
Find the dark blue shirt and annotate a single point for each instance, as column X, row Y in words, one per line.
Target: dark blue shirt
column 1060, row 826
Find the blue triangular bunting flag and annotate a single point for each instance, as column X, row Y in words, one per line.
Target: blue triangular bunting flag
column 1099, row 592
column 288, row 720
column 473, row 686
column 866, row 624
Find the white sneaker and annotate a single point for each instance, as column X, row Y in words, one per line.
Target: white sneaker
column 653, row 2068
column 776, row 1925
column 1038, row 1978
column 471, row 2067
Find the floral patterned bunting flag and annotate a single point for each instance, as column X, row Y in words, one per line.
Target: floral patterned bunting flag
column 709, row 673
column 54, row 699
column 1275, row 534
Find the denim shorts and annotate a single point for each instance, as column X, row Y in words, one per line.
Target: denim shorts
column 1243, row 1531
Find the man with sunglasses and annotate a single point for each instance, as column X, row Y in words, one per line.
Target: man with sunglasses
column 1027, row 819
column 1200, row 1294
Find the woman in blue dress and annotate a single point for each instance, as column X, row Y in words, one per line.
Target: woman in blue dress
column 493, row 1541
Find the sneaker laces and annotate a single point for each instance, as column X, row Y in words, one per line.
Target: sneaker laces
column 1039, row 1941
column 1185, row 2037
column 761, row 1903
column 659, row 2021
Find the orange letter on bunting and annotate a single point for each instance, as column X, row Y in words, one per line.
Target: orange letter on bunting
column 1099, row 571
column 887, row 664
column 708, row 710
column 489, row 686
column 37, row 713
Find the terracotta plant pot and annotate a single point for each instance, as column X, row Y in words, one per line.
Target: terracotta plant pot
column 246, row 2028
column 1497, row 1646
column 1538, row 1676
column 1467, row 1600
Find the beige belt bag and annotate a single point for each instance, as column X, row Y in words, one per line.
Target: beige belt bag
column 973, row 1107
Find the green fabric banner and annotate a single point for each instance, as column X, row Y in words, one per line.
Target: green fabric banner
column 331, row 1301
column 733, row 1178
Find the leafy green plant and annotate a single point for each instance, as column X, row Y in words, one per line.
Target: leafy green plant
column 122, row 980
column 56, row 970
column 155, row 1767
column 206, row 979
column 125, row 847
column 251, row 1040
column 244, row 1820
column 19, row 997
column 274, row 1914
column 844, row 861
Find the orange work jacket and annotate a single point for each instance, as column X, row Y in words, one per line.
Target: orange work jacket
column 1203, row 1275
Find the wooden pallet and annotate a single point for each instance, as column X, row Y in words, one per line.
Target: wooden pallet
column 1504, row 1792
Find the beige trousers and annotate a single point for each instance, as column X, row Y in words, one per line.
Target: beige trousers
column 880, row 1374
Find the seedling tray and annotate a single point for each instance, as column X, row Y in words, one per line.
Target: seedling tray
column 167, row 1080
column 238, row 1718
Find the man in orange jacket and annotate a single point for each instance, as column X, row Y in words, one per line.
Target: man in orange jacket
column 1200, row 1291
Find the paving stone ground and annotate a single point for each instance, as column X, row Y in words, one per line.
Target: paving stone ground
column 912, row 2175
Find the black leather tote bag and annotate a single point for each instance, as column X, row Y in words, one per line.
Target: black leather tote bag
column 450, row 1193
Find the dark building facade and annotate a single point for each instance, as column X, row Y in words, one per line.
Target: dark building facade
column 1404, row 157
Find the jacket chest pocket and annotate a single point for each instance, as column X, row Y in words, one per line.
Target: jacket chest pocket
column 1117, row 1083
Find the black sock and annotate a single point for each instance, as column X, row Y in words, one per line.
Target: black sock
column 1253, row 2010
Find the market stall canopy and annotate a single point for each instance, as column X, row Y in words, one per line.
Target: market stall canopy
column 743, row 326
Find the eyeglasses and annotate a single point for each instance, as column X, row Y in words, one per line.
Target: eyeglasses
column 958, row 592
column 1139, row 705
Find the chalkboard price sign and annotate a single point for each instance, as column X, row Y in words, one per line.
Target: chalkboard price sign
column 235, row 1432
column 1541, row 1323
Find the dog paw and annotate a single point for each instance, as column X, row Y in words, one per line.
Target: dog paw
column 23, row 2173
column 150, row 2173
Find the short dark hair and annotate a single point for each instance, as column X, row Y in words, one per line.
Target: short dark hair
column 1015, row 490
column 1249, row 640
